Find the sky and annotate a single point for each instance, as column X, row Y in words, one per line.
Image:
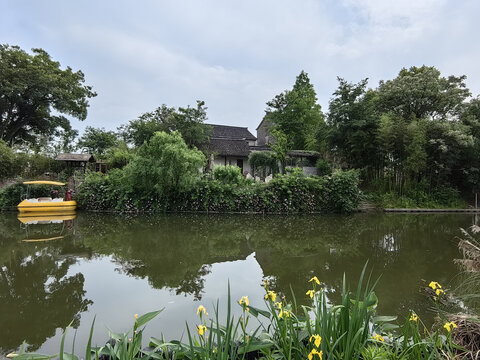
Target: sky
column 238, row 55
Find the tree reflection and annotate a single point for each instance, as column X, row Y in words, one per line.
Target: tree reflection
column 37, row 295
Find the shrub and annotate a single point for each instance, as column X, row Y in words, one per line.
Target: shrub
column 7, row 160
column 323, row 167
column 343, row 192
column 228, row 174
column 164, row 164
column 263, row 163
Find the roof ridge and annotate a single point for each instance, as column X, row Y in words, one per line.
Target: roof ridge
column 241, row 127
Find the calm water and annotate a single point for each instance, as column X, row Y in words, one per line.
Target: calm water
column 114, row 266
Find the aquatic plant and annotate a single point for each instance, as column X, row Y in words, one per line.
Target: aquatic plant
column 321, row 330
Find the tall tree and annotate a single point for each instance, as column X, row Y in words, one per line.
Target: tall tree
column 353, row 124
column 296, row 114
column 164, row 164
column 189, row 122
column 36, row 94
column 97, row 141
column 421, row 92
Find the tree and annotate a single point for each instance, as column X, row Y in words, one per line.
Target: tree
column 189, row 122
column 35, row 94
column 7, row 160
column 119, row 156
column 280, row 148
column 97, row 141
column 353, row 124
column 164, row 165
column 421, row 92
column 296, row 114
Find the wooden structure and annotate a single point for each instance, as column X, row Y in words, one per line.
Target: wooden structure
column 76, row 161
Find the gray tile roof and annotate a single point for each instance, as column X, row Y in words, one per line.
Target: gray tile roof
column 76, row 157
column 231, row 132
column 229, row 147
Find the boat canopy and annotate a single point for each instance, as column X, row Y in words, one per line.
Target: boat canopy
column 44, row 182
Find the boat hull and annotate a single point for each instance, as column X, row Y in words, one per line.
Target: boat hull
column 41, row 207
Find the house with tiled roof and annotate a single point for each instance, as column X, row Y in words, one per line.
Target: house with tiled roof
column 230, row 145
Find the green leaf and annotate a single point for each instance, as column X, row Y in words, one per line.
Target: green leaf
column 68, row 356
column 255, row 311
column 34, row 356
column 254, row 345
column 383, row 319
column 88, row 351
column 145, row 318
column 388, row 327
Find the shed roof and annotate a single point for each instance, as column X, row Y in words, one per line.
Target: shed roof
column 230, row 147
column 231, row 132
column 75, row 157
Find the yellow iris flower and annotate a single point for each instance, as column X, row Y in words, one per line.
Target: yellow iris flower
column 314, row 279
column 271, row 295
column 317, row 339
column 136, row 317
column 414, row 317
column 315, row 352
column 201, row 329
column 310, row 293
column 450, row 326
column 285, row 313
column 201, row 309
column 244, row 300
column 378, row 337
column 434, row 285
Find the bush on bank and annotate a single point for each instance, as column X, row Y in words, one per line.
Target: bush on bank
column 293, row 193
column 164, row 176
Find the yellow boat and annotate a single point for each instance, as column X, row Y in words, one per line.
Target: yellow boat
column 46, row 217
column 46, row 204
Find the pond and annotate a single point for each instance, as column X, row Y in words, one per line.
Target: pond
column 112, row 267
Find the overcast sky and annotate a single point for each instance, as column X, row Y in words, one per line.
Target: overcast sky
column 238, row 55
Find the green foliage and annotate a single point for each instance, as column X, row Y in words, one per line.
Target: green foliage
column 421, row 92
column 228, row 174
column 189, row 122
column 323, row 167
column 119, row 156
column 97, row 141
column 417, row 127
column 343, row 192
column 419, row 196
column 7, row 161
column 263, row 163
column 293, row 193
column 161, row 168
column 163, row 164
column 279, row 147
column 296, row 114
column 353, row 123
column 25, row 165
column 41, row 92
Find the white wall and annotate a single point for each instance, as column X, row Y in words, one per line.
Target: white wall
column 232, row 160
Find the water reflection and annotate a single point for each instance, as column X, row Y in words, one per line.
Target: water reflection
column 36, row 294
column 178, row 253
